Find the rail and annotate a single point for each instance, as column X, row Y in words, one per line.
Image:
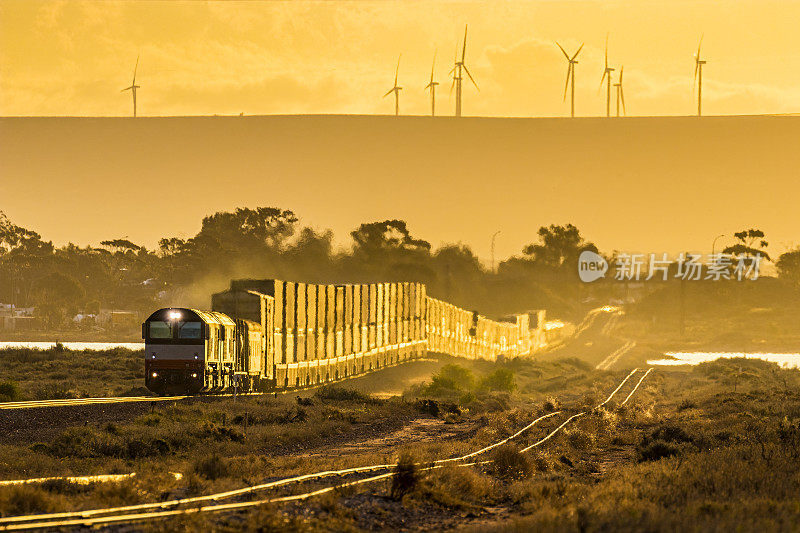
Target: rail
column 92, row 518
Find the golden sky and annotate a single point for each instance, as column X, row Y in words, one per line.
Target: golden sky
column 197, row 58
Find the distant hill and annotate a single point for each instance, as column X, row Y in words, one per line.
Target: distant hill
column 636, row 184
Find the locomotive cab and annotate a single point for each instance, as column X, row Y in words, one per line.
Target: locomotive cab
column 187, row 351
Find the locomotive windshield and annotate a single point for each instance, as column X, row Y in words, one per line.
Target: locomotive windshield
column 158, row 329
column 189, row 330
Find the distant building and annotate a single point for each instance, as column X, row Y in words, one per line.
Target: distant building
column 17, row 318
column 117, row 318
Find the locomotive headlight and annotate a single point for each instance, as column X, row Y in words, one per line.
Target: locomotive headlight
column 194, row 374
column 155, row 374
column 174, row 315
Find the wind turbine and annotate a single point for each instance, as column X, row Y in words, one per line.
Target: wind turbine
column 607, row 76
column 571, row 76
column 698, row 77
column 432, row 86
column 133, row 86
column 396, row 90
column 620, row 93
column 457, row 73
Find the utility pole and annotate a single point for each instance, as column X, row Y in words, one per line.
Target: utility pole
column 493, row 238
column 714, row 243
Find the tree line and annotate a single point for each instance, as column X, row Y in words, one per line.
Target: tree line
column 267, row 242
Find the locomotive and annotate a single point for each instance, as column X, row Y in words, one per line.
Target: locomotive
column 263, row 335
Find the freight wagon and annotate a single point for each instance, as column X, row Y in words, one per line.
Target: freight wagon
column 272, row 334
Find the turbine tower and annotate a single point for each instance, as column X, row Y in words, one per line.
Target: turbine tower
column 432, row 86
column 571, row 76
column 607, row 77
column 620, row 93
column 133, row 86
column 698, row 78
column 396, row 90
column 457, row 72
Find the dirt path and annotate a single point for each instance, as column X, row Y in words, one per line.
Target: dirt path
column 418, row 430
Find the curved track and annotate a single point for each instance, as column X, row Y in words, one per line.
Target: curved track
column 160, row 510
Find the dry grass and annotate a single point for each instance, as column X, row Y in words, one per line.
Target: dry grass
column 688, row 453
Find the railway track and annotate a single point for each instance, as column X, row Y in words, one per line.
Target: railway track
column 87, row 401
column 161, row 510
column 30, row 404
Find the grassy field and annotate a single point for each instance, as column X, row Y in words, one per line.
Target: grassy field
column 61, row 373
column 716, row 447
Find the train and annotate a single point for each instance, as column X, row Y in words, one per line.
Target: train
column 267, row 334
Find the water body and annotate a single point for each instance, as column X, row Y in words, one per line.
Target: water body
column 785, row 360
column 74, row 345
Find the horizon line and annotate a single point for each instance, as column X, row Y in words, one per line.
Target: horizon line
column 392, row 116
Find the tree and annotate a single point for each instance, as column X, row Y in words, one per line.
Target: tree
column 750, row 243
column 245, row 228
column 558, row 246
column 388, row 235
column 788, row 266
column 121, row 245
column 13, row 237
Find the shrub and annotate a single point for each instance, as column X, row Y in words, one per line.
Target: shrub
column 551, row 404
column 501, row 379
column 451, row 379
column 655, row 450
column 24, row 499
column 83, row 442
column 510, row 464
column 220, row 433
column 64, row 486
column 670, row 433
column 686, row 404
column 462, row 485
column 137, row 448
column 305, row 402
column 341, row 394
column 406, row 476
column 9, row 392
column 211, row 467
column 664, row 441
column 579, row 439
column 429, row 407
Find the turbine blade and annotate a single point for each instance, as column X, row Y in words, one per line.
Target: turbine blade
column 699, row 45
column 606, row 60
column 397, row 70
column 134, row 70
column 622, row 98
column 562, row 50
column 578, row 52
column 464, row 50
column 471, row 78
column 433, row 67
column 602, row 79
column 388, row 93
column 126, row 89
column 620, row 73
